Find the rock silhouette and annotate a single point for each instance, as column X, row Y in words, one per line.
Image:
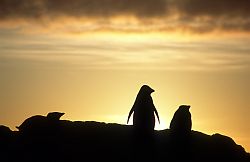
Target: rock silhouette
column 144, row 109
column 95, row 141
column 181, row 124
column 5, row 135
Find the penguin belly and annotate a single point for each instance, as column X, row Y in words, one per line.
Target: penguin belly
column 144, row 120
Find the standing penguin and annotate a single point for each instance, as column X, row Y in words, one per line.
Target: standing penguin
column 144, row 110
column 181, row 124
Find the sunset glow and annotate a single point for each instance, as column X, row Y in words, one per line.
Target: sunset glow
column 89, row 59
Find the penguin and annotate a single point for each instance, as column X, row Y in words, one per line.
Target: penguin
column 39, row 123
column 144, row 109
column 181, row 124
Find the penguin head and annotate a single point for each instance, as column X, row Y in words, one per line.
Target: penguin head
column 55, row 115
column 184, row 107
column 145, row 89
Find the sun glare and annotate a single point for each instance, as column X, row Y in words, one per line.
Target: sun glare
column 160, row 126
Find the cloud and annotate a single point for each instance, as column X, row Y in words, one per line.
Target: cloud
column 207, row 15
column 227, row 8
column 200, row 16
column 135, row 54
column 81, row 8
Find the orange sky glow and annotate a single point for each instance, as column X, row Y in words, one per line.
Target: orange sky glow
column 90, row 62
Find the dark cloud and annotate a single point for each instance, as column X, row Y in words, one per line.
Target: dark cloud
column 214, row 8
column 20, row 9
column 146, row 8
column 210, row 15
column 194, row 15
column 81, row 8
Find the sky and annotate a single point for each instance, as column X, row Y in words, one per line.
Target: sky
column 89, row 58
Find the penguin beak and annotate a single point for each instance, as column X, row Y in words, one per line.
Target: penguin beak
column 152, row 91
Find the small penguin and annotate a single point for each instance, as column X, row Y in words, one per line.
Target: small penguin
column 181, row 124
column 39, row 123
column 144, row 109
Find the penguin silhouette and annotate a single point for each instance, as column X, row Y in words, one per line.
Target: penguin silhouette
column 181, row 124
column 144, row 109
column 41, row 124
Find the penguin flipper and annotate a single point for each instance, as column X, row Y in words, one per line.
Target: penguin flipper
column 157, row 115
column 130, row 113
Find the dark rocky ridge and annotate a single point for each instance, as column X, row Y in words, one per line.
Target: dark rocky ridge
column 44, row 140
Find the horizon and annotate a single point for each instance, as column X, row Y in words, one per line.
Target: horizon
column 89, row 59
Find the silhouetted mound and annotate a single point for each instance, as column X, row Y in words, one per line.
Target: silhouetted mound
column 5, row 135
column 41, row 139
